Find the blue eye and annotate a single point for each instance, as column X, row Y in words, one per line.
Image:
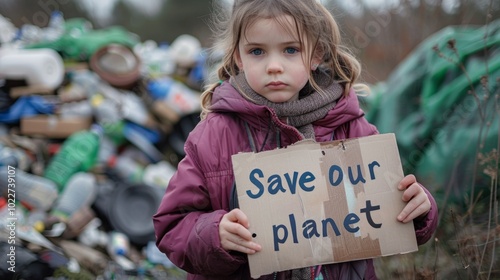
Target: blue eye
column 256, row 51
column 291, row 50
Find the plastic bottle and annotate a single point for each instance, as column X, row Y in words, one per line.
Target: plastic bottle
column 135, row 110
column 88, row 80
column 176, row 95
column 156, row 59
column 107, row 150
column 78, row 153
column 14, row 157
column 159, row 174
column 55, row 29
column 108, row 115
column 29, row 34
column 127, row 169
column 105, row 110
column 80, row 191
column 119, row 244
column 35, row 191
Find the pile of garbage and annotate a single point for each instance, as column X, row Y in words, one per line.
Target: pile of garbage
column 92, row 126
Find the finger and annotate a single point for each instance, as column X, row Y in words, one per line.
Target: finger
column 241, row 248
column 231, row 241
column 239, row 230
column 411, row 192
column 407, row 181
column 241, row 245
column 413, row 209
column 237, row 216
column 420, row 210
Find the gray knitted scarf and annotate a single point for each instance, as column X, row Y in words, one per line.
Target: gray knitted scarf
column 301, row 113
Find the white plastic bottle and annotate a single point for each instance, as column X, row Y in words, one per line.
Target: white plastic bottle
column 80, row 191
column 118, row 244
column 55, row 29
column 159, row 174
column 37, row 192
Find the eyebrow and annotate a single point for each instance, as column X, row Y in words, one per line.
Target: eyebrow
column 260, row 44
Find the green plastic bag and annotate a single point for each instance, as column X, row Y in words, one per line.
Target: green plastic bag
column 442, row 102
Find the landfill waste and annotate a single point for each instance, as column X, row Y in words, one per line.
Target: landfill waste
column 78, row 153
column 117, row 65
column 92, row 124
column 7, row 30
column 14, row 157
column 32, row 190
column 80, row 191
column 38, row 67
column 26, row 106
column 118, row 244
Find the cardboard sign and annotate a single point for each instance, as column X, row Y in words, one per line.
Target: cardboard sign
column 318, row 203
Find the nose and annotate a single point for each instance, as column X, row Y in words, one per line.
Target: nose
column 274, row 65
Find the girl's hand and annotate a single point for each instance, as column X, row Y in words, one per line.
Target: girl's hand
column 234, row 234
column 418, row 203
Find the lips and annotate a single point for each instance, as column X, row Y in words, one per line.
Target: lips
column 276, row 85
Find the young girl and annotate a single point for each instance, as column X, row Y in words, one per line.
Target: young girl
column 285, row 77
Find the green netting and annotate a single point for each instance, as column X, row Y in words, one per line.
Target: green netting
column 443, row 106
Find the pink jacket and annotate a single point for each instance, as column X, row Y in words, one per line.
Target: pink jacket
column 186, row 223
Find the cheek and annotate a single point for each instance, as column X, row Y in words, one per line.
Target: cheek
column 301, row 76
column 252, row 78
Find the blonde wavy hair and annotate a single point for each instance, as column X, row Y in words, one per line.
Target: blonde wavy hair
column 314, row 24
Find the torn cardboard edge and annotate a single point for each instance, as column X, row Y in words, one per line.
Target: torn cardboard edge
column 333, row 202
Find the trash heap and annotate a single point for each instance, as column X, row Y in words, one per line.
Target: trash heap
column 92, row 126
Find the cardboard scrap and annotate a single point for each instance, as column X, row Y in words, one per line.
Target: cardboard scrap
column 319, row 203
column 54, row 126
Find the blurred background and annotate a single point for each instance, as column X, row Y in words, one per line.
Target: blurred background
column 381, row 32
column 98, row 96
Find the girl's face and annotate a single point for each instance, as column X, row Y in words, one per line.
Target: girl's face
column 271, row 59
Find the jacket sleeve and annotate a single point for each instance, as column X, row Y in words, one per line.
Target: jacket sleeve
column 426, row 226
column 187, row 228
